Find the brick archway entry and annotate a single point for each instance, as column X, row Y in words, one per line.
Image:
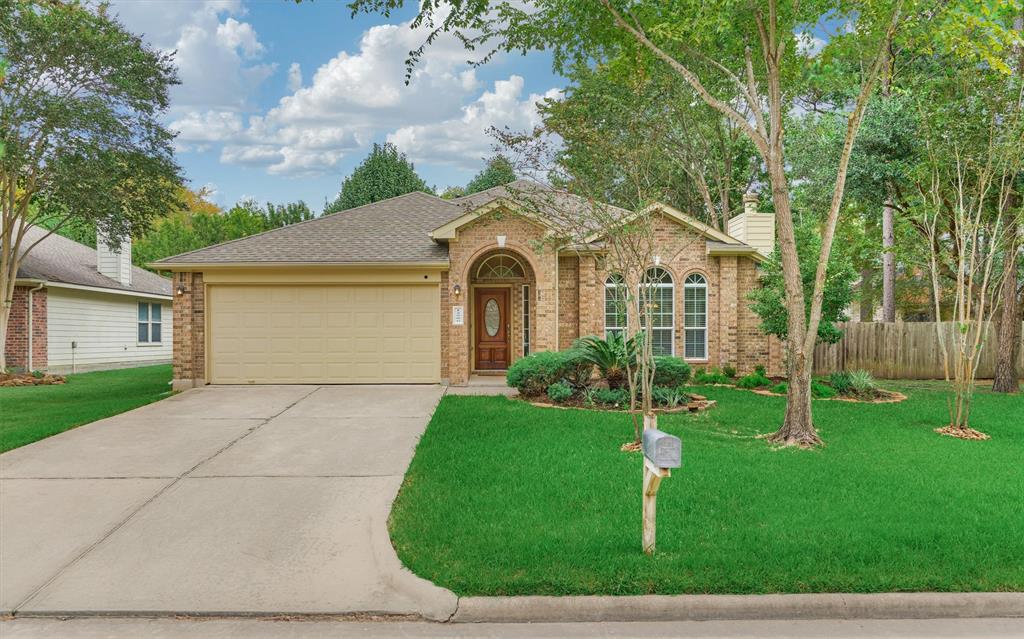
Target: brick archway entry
column 502, row 294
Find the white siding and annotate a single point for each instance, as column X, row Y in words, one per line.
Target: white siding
column 105, row 328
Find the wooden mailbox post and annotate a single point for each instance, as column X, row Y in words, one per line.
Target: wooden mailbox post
column 662, row 453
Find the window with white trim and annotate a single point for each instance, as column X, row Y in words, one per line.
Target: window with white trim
column 149, row 323
column 526, row 319
column 695, row 317
column 614, row 306
column 658, row 293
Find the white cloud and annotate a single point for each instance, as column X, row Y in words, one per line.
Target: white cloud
column 218, row 61
column 464, row 141
column 294, row 77
column 197, row 130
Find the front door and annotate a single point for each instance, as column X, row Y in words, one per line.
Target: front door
column 492, row 328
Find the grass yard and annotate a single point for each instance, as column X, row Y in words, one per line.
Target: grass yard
column 504, row 498
column 31, row 413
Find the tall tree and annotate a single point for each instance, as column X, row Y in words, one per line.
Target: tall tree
column 385, row 173
column 201, row 223
column 80, row 117
column 498, row 172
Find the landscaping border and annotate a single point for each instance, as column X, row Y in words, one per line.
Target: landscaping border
column 892, row 605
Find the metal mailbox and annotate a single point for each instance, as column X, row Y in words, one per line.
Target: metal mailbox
column 664, row 450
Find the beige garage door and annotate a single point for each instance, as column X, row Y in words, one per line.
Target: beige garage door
column 324, row 334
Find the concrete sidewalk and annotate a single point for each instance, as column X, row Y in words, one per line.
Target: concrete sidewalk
column 234, row 500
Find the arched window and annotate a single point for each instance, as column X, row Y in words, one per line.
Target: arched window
column 695, row 317
column 614, row 306
column 500, row 267
column 658, row 292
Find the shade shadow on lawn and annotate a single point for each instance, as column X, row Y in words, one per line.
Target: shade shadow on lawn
column 505, row 498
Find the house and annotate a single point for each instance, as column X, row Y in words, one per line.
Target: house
column 417, row 289
column 87, row 309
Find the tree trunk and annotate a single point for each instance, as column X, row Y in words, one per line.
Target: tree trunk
column 1008, row 329
column 867, row 295
column 5, row 314
column 888, row 263
column 798, row 428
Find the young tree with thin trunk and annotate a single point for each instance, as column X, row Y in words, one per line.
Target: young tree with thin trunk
column 81, row 107
column 969, row 202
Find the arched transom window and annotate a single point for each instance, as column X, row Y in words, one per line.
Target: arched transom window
column 500, row 267
column 695, row 317
column 657, row 291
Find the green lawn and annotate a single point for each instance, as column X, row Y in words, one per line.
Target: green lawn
column 503, row 498
column 31, row 413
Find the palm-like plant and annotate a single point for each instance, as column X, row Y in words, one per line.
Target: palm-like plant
column 612, row 356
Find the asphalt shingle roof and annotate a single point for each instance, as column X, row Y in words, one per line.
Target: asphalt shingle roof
column 393, row 230
column 58, row 259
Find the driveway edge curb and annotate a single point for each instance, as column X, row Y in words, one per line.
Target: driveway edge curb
column 916, row 605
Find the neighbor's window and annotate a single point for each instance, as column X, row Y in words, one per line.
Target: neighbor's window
column 695, row 316
column 149, row 323
column 660, row 298
column 526, row 319
column 614, row 306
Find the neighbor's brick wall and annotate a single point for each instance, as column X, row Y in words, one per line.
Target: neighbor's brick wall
column 16, row 346
column 189, row 332
column 568, row 300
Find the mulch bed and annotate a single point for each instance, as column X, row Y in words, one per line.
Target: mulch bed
column 697, row 403
column 962, row 433
column 884, row 396
column 28, row 379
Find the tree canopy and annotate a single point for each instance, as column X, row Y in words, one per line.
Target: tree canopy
column 81, row 117
column 499, row 171
column 385, row 173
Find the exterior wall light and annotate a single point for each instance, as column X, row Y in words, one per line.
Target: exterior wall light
column 181, row 289
column 457, row 290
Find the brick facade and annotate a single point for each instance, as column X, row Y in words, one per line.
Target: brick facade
column 189, row 331
column 733, row 336
column 17, row 343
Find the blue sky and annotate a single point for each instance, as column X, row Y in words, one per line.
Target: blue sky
column 280, row 101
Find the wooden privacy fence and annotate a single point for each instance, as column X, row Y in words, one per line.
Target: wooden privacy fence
column 899, row 350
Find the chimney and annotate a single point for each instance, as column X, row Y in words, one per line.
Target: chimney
column 754, row 228
column 114, row 261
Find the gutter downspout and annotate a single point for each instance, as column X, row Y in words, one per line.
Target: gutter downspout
column 31, row 322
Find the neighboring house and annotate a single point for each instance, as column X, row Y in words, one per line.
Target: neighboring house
column 88, row 309
column 416, row 289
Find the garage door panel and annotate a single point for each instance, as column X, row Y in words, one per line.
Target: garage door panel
column 324, row 334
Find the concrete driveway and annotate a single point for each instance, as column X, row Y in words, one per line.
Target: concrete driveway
column 235, row 500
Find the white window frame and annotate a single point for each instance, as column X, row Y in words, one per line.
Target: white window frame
column 690, row 284
column 613, row 282
column 526, row 319
column 509, row 266
column 149, row 323
column 670, row 284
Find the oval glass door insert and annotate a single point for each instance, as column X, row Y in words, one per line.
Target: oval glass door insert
column 492, row 317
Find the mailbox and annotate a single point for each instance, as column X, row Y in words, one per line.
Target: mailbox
column 662, row 449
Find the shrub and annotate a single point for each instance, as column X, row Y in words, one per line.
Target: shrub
column 589, row 395
column 531, row 375
column 841, row 382
column 754, row 380
column 862, row 382
column 670, row 371
column 760, row 370
column 669, row 396
column 611, row 356
column 559, row 392
column 818, row 390
column 822, row 391
column 612, row 396
column 729, row 370
column 711, row 376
